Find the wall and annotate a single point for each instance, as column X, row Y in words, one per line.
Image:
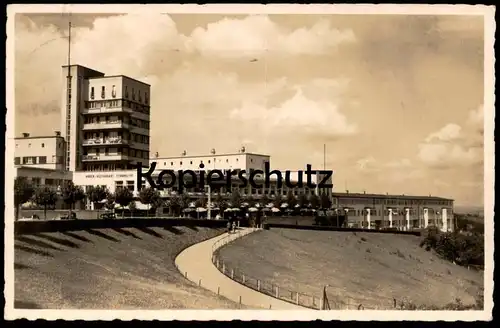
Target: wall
column 268, row 226
column 27, row 227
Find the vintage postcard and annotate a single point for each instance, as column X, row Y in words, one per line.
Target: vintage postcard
column 139, row 172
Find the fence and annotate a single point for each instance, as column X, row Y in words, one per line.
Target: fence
column 329, row 299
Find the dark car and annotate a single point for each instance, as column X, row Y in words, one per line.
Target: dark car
column 107, row 216
column 69, row 217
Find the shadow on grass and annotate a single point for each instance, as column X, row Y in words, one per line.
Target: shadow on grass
column 32, row 251
column 25, row 305
column 34, row 242
column 19, row 266
column 194, row 228
column 102, row 235
column 150, row 232
column 77, row 237
column 60, row 241
column 126, row 233
column 174, row 230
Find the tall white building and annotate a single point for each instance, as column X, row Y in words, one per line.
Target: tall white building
column 106, row 120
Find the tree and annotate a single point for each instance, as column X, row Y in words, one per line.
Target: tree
column 71, row 194
column 221, row 203
column 96, row 194
column 110, row 201
column 302, row 200
column 265, row 200
column 123, row 197
column 23, row 191
column 46, row 197
column 325, row 201
column 278, row 200
column 150, row 197
column 236, row 199
column 291, row 199
column 132, row 208
column 185, row 200
column 314, row 201
column 200, row 202
column 174, row 205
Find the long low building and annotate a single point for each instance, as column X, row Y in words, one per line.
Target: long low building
column 398, row 211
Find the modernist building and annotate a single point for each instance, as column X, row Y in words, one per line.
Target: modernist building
column 388, row 211
column 41, row 159
column 105, row 120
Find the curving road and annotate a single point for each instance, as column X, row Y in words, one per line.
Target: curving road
column 197, row 262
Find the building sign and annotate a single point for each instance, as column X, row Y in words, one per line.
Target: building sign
column 118, row 175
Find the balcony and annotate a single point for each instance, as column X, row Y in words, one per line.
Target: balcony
column 105, row 125
column 106, row 110
column 104, row 157
column 105, row 142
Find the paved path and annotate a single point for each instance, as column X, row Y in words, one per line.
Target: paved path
column 197, row 262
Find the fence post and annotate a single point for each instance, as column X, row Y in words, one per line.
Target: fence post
column 218, row 290
column 277, row 292
column 243, row 278
column 185, row 274
column 199, row 283
column 258, row 285
column 218, row 267
column 223, row 268
column 232, row 273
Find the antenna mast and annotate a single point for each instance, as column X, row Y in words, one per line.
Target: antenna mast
column 68, row 98
column 324, row 156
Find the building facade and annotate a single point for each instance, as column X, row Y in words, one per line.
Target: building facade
column 394, row 211
column 44, row 152
column 106, row 120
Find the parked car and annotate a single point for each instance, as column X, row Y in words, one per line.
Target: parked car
column 107, row 216
column 69, row 217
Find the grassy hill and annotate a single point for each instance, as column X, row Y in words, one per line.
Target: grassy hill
column 360, row 268
column 109, row 269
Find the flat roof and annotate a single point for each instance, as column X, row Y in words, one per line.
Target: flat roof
column 123, row 76
column 38, row 137
column 209, row 155
column 87, row 68
column 41, row 169
column 382, row 196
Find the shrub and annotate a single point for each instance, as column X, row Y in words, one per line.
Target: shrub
column 463, row 249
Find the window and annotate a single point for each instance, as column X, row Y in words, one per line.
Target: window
column 113, row 91
column 92, row 93
column 133, row 94
column 146, row 99
column 17, row 160
column 191, row 162
column 140, row 98
column 29, row 145
column 126, row 92
column 42, row 160
column 103, row 92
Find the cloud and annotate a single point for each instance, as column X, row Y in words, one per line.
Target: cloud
column 300, row 114
column 455, row 145
column 447, row 133
column 256, row 35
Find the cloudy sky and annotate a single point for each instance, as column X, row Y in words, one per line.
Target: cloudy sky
column 398, row 100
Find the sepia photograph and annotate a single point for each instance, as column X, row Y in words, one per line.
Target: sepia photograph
column 324, row 159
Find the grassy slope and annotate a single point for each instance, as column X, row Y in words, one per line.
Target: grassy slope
column 109, row 269
column 371, row 271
